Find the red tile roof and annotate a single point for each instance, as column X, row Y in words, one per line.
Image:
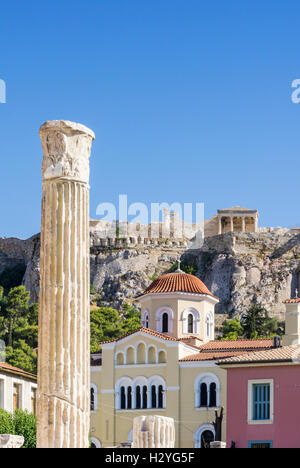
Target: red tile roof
column 178, row 282
column 164, row 336
column 8, row 367
column 234, row 345
column 284, row 354
column 216, row 350
column 211, row 356
column 212, row 350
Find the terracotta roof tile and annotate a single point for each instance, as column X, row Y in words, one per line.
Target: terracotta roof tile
column 237, row 345
column 284, row 354
column 211, row 356
column 178, row 282
column 164, row 336
column 8, row 367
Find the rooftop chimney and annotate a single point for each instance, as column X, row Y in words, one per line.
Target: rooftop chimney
column 292, row 322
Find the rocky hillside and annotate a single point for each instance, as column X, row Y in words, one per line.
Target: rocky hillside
column 239, row 268
column 242, row 269
column 23, row 252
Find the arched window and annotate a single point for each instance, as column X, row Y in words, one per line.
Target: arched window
column 123, row 398
column 160, row 397
column 213, row 395
column 153, row 396
column 152, row 355
column 207, row 391
column 120, row 359
column 210, row 326
column 190, row 323
column 203, row 395
column 141, row 354
column 165, row 323
column 92, row 399
column 157, row 386
column 140, row 393
column 206, row 438
column 162, row 357
column 95, row 443
column 145, row 318
column 138, row 403
column 130, row 356
column 145, row 397
column 204, row 435
column 129, row 398
column 164, row 319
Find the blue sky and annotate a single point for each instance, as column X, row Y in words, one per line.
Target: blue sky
column 190, row 101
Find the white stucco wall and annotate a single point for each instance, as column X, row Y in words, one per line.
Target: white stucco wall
column 7, row 382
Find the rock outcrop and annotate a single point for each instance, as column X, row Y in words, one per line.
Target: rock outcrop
column 23, row 252
column 239, row 268
column 245, row 269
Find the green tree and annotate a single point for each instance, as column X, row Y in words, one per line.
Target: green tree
column 16, row 307
column 33, row 314
column 232, row 329
column 109, row 324
column 19, row 328
column 105, row 325
column 132, row 319
column 257, row 324
column 22, row 356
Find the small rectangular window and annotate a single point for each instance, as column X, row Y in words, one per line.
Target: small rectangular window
column 17, row 397
column 33, row 400
column 261, row 445
column 261, row 402
column 1, row 394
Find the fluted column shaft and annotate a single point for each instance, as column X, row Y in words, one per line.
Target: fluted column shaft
column 153, row 432
column 64, row 325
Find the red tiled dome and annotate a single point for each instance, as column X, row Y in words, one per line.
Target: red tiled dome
column 178, row 282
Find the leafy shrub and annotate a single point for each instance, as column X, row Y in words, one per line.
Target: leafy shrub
column 20, row 423
column 6, row 422
column 25, row 425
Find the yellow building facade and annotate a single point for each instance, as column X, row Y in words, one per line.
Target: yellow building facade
column 167, row 367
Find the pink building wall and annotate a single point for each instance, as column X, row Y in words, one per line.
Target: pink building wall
column 285, row 430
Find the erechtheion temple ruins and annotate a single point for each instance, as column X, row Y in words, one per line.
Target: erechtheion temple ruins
column 236, row 219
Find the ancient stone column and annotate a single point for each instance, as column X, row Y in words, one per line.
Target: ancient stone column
column 153, row 432
column 64, row 326
column 219, row 225
column 243, row 224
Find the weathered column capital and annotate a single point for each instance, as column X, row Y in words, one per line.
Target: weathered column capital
column 67, row 147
